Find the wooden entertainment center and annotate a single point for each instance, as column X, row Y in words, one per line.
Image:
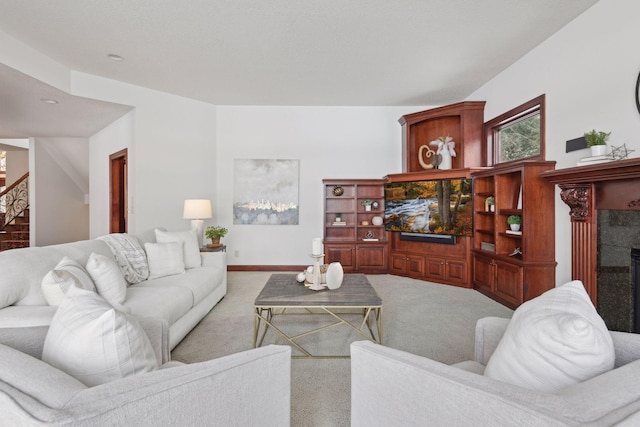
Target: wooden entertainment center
column 487, row 261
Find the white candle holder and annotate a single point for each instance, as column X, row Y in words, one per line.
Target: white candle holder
column 316, row 246
column 316, row 278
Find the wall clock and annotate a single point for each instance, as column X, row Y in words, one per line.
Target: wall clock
column 638, row 93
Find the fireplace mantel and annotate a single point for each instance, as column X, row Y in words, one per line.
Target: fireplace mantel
column 617, row 170
column 585, row 189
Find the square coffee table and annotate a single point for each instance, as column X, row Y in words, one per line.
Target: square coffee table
column 282, row 292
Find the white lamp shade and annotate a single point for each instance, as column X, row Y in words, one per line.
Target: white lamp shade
column 197, row 209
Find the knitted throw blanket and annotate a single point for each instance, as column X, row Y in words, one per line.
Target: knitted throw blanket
column 129, row 255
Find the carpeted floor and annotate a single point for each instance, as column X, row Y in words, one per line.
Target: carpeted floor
column 428, row 319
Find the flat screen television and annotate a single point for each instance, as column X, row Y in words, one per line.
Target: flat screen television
column 439, row 207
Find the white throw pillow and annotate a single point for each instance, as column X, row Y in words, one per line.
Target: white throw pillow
column 165, row 259
column 95, row 343
column 108, row 278
column 192, row 257
column 57, row 281
column 553, row 341
column 78, row 271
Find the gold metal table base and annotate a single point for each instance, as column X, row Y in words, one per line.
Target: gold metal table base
column 264, row 319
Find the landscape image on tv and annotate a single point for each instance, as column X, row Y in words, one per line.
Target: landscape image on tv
column 431, row 207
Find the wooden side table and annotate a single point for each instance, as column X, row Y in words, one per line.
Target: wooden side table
column 221, row 248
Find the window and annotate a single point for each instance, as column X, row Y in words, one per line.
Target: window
column 517, row 134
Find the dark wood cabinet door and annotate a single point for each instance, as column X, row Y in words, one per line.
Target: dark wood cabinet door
column 344, row 254
column 457, row 271
column 398, row 264
column 371, row 258
column 435, row 268
column 483, row 273
column 509, row 282
column 415, row 266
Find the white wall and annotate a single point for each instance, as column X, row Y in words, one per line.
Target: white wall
column 60, row 214
column 181, row 149
column 17, row 164
column 113, row 138
column 588, row 71
column 330, row 142
column 172, row 153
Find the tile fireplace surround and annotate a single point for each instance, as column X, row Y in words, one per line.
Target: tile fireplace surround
column 607, row 194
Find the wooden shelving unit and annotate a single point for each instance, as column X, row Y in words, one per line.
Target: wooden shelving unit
column 358, row 247
column 513, row 268
column 462, row 121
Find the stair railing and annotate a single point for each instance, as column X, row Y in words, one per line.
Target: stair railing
column 15, row 200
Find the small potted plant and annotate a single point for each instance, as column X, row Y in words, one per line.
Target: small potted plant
column 514, row 222
column 367, row 204
column 215, row 233
column 490, row 204
column 597, row 141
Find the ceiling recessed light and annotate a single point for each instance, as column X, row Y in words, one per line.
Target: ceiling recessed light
column 114, row 57
column 49, row 101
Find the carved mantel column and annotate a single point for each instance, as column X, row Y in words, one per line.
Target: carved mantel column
column 581, row 200
column 577, row 197
column 612, row 185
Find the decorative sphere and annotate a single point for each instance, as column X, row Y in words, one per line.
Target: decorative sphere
column 301, row 277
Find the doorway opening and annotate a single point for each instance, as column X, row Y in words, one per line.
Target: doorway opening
column 118, row 191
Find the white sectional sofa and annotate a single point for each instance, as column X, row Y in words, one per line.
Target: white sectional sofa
column 51, row 356
column 182, row 300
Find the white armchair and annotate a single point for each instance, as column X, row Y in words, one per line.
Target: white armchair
column 392, row 387
column 247, row 388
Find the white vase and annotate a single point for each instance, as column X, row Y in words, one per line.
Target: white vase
column 446, row 162
column 335, row 274
column 598, row 150
column 514, row 227
column 367, row 207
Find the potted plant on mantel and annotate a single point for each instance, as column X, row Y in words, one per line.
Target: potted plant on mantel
column 597, row 141
column 514, row 222
column 215, row 233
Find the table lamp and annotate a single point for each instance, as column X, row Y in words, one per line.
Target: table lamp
column 197, row 210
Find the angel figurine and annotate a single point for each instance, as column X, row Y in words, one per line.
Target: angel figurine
column 446, row 149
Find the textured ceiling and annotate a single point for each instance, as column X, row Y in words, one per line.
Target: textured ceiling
column 292, row 52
